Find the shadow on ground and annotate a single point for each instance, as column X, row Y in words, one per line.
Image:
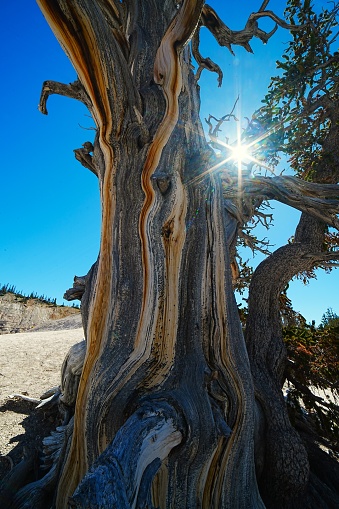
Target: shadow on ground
column 37, row 425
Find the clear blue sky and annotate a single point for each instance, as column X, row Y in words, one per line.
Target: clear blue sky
column 50, row 213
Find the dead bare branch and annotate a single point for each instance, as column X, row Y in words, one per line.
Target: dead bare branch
column 204, row 63
column 254, row 244
column 227, row 37
column 84, row 157
column 318, row 200
column 78, row 289
column 74, row 90
column 214, row 130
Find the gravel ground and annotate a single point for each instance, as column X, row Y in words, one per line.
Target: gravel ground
column 29, row 365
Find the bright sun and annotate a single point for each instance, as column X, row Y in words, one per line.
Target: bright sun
column 240, row 153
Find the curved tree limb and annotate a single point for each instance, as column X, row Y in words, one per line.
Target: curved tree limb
column 267, row 354
column 71, row 25
column 226, row 37
column 318, row 200
column 274, row 17
column 74, row 91
column 204, row 63
column 263, row 328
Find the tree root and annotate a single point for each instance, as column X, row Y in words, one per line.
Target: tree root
column 123, row 474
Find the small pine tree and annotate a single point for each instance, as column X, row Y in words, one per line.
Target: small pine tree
column 330, row 318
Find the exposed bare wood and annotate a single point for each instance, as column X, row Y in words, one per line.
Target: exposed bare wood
column 132, row 460
column 50, row 401
column 73, row 90
column 227, row 37
column 77, row 290
column 158, row 402
column 24, row 398
column 84, row 157
column 318, row 200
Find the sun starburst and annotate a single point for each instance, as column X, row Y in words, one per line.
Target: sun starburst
column 240, row 153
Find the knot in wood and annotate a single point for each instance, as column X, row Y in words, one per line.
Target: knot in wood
column 88, row 147
column 163, row 182
column 167, row 229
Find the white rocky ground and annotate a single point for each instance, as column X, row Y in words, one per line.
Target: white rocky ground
column 30, row 364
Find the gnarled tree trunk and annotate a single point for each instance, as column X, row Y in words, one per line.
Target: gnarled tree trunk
column 283, row 470
column 164, row 413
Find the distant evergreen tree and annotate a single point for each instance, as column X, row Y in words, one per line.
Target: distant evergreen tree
column 7, row 288
column 330, row 318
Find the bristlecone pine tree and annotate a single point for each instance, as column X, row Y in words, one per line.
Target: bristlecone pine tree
column 160, row 407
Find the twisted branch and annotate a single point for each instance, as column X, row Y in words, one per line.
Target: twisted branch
column 318, row 200
column 74, row 91
column 214, row 130
column 227, row 37
column 204, row 63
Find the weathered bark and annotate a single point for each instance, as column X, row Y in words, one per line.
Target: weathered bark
column 165, row 413
column 78, row 289
column 283, row 471
column 154, row 429
column 159, row 312
column 283, row 468
column 317, row 200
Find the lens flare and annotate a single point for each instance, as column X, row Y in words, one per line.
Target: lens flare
column 240, row 153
